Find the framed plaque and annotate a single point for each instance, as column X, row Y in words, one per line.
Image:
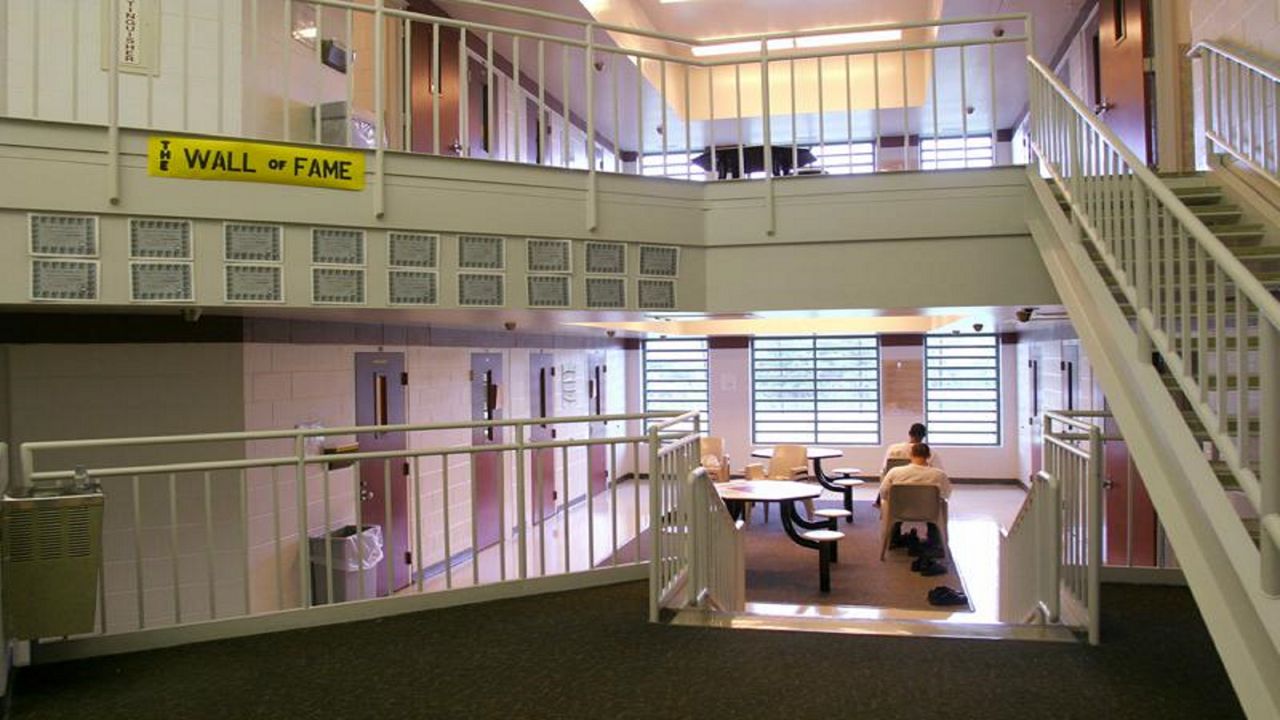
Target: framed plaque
column 245, row 242
column 548, row 256
column 413, row 250
column 412, row 287
column 64, row 279
column 605, row 258
column 481, row 289
column 70, row 235
column 549, row 291
column 656, row 294
column 481, row 252
column 160, row 282
column 336, row 246
column 158, row 238
column 606, row 293
column 253, row 284
column 337, row 286
column 659, row 260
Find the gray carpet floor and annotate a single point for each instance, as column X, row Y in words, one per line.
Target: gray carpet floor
column 591, row 654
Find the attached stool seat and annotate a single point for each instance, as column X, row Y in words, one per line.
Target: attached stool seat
column 826, row 540
column 833, row 515
column 844, row 478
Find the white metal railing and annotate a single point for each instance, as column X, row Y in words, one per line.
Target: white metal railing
column 1030, row 556
column 671, row 554
column 718, row 567
column 1215, row 325
column 1241, row 95
column 1072, row 458
column 537, row 87
column 216, row 526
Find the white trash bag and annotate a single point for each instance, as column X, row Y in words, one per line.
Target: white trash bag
column 350, row 550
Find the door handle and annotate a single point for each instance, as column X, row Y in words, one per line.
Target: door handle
column 365, row 493
column 1102, row 107
column 456, row 147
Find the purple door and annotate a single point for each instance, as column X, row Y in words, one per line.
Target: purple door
column 486, row 467
column 384, row 492
column 542, row 463
column 597, row 455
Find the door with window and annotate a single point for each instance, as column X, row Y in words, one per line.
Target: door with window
column 597, row 455
column 1034, row 423
column 486, row 467
column 384, row 492
column 542, row 463
column 1125, row 86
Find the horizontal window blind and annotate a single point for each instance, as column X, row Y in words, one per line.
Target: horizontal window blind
column 675, row 377
column 962, row 389
column 823, row 390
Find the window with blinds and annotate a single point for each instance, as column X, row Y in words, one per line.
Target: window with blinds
column 675, row 377
column 957, row 152
column 962, row 389
column 816, row 390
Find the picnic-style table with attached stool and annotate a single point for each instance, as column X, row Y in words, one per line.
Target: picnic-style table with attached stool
column 843, row 485
column 821, row 536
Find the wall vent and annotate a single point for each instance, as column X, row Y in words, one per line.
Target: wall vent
column 549, row 256
column 481, row 252
column 656, row 294
column 549, row 291
column 160, row 282
column 335, row 246
column 481, row 290
column 414, row 250
column 606, row 258
column 68, row 235
column 659, row 260
column 606, row 293
column 253, row 283
column 64, row 279
column 247, row 242
column 337, row 286
column 412, row 287
column 158, row 238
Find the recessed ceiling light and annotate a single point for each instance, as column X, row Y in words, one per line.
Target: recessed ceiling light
column 739, row 47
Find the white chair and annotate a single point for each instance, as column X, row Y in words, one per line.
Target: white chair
column 789, row 462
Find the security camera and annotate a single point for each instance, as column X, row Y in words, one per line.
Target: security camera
column 509, row 325
column 977, row 327
column 1024, row 315
column 610, row 333
column 998, row 32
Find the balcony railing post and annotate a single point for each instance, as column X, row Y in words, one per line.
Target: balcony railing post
column 588, row 73
column 771, row 226
column 1142, row 254
column 1093, row 496
column 656, row 561
column 1269, row 450
column 379, row 114
column 522, row 539
column 304, row 544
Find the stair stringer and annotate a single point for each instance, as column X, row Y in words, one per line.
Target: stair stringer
column 1215, row 552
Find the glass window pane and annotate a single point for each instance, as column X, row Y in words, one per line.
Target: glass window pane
column 816, row 389
column 962, row 384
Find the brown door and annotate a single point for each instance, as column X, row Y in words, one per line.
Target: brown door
column 597, row 455
column 421, row 89
column 1130, row 522
column 486, row 467
column 478, row 113
column 542, row 475
column 384, row 483
column 1125, row 102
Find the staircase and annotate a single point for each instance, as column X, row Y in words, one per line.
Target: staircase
column 1172, row 289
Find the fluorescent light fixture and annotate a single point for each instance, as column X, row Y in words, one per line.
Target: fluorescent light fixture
column 802, row 43
column 306, row 33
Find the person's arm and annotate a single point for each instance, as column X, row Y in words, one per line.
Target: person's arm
column 944, row 485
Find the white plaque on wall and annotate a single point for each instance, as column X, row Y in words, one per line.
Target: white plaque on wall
column 64, row 279
column 546, row 256
column 606, row 258
column 549, row 291
column 136, row 29
column 412, row 249
column 158, row 238
column 339, row 286
column 245, row 242
column 656, row 294
column 481, row 289
column 335, row 246
column 606, row 293
column 253, row 283
column 72, row 235
column 481, row 252
column 659, row 260
column 411, row 287
column 160, row 282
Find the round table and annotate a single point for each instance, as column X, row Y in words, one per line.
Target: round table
column 817, row 455
column 784, row 492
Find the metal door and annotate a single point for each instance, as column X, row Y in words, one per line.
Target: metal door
column 1124, row 83
column 1034, row 421
column 1130, row 517
column 486, row 467
column 384, row 491
column 597, row 455
column 542, row 463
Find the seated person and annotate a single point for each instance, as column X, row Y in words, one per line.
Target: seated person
column 902, row 450
column 917, row 472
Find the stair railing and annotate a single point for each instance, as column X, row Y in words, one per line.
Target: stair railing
column 1181, row 282
column 1239, row 106
column 1030, row 556
column 673, row 456
column 717, row 564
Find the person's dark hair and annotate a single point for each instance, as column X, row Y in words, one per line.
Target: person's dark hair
column 920, row 450
column 918, row 431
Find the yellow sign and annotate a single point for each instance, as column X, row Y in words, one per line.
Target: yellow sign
column 199, row 159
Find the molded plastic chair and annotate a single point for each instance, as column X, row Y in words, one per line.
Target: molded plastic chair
column 912, row 503
column 714, row 459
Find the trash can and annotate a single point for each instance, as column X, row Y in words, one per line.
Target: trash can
column 350, row 552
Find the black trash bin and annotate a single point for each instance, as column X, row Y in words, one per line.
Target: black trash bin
column 351, row 553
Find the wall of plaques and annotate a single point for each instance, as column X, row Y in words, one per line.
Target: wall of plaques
column 159, row 261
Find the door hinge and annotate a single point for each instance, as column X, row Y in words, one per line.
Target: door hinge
column 408, row 557
column 555, row 495
column 406, row 469
column 404, row 378
column 1062, row 365
column 471, row 376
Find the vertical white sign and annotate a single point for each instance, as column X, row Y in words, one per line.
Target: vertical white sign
column 136, row 29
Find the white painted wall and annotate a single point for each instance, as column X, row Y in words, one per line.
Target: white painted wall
column 53, row 65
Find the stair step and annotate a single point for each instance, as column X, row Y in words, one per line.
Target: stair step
column 1197, row 427
column 1233, row 382
column 1224, row 474
column 1236, row 235
column 1218, row 213
column 1198, row 195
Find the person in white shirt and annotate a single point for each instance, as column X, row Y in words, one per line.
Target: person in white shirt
column 917, row 472
column 902, row 450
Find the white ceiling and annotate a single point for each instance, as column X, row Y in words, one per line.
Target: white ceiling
column 719, row 18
